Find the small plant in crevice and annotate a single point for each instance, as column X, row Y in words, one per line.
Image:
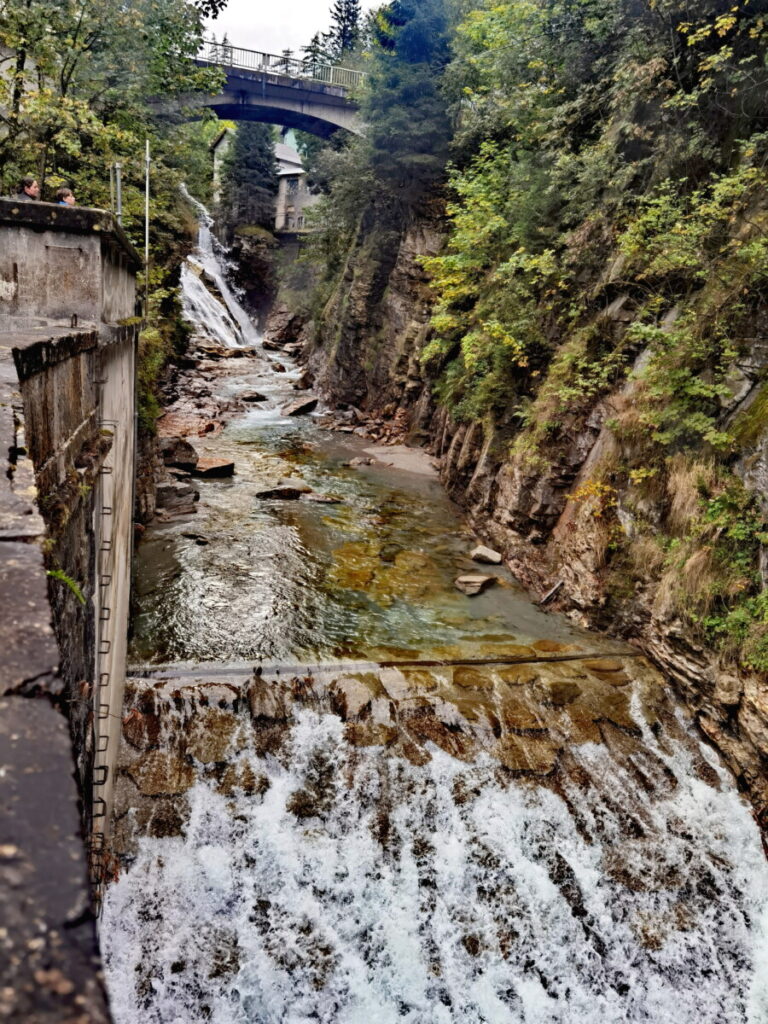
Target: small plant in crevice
column 61, row 576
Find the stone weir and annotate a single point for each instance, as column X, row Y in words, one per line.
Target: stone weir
column 68, row 335
column 213, row 724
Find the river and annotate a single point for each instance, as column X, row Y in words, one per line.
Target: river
column 350, row 793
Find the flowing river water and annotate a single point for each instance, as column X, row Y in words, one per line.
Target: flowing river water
column 350, row 793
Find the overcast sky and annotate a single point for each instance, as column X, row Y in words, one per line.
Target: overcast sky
column 274, row 25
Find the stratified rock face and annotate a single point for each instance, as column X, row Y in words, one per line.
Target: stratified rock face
column 284, row 328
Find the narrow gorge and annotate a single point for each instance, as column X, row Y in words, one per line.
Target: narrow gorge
column 347, row 789
column 384, row 512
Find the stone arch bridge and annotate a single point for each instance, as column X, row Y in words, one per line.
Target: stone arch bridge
column 304, row 94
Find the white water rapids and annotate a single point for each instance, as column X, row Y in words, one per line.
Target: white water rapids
column 224, row 322
column 447, row 893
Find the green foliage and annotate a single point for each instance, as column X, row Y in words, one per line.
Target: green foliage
column 716, row 567
column 346, row 16
column 61, row 576
column 77, row 83
column 249, row 176
column 403, row 105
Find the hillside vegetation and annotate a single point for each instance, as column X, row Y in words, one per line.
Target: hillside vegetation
column 601, row 166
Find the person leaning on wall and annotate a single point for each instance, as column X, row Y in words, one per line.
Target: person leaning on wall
column 65, row 197
column 28, row 191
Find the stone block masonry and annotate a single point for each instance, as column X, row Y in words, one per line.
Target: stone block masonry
column 68, row 338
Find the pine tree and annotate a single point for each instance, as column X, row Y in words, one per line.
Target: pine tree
column 250, row 175
column 345, row 26
column 409, row 129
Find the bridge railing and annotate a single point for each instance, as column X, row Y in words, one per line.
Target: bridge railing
column 276, row 64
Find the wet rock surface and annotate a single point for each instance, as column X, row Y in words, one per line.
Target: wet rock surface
column 548, row 799
column 524, row 715
column 475, row 584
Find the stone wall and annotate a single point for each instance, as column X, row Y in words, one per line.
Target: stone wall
column 48, row 950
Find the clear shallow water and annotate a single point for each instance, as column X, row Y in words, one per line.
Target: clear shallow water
column 371, row 577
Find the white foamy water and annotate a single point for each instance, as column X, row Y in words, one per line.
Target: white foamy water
column 225, row 323
column 447, row 894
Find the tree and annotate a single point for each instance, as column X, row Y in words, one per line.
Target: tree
column 345, row 26
column 404, row 105
column 319, row 52
column 75, row 76
column 250, row 176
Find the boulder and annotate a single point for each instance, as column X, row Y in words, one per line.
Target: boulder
column 175, row 495
column 175, row 451
column 304, row 382
column 210, row 467
column 281, row 492
column 473, row 585
column 306, row 405
column 278, row 367
column 253, row 396
column 283, row 327
column 271, row 345
column 487, row 555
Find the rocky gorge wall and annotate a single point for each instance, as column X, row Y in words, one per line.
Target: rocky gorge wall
column 365, row 351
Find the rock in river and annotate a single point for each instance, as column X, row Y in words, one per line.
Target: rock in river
column 210, row 467
column 253, row 396
column 282, row 492
column 472, row 585
column 178, row 452
column 301, row 408
column 487, row 555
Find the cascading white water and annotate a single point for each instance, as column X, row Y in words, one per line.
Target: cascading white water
column 448, row 893
column 224, row 322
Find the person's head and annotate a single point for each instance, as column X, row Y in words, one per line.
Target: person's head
column 65, row 196
column 30, row 186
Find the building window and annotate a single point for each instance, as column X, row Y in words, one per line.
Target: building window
column 293, row 186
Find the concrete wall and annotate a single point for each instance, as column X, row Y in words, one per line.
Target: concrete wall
column 60, row 262
column 67, row 429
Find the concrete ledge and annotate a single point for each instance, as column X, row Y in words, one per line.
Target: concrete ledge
column 36, row 350
column 82, row 220
column 49, row 965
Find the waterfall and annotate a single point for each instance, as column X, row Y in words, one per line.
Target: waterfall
column 223, row 320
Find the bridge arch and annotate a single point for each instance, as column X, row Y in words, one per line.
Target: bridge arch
column 315, row 98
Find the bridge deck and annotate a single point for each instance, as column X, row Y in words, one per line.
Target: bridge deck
column 225, row 55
